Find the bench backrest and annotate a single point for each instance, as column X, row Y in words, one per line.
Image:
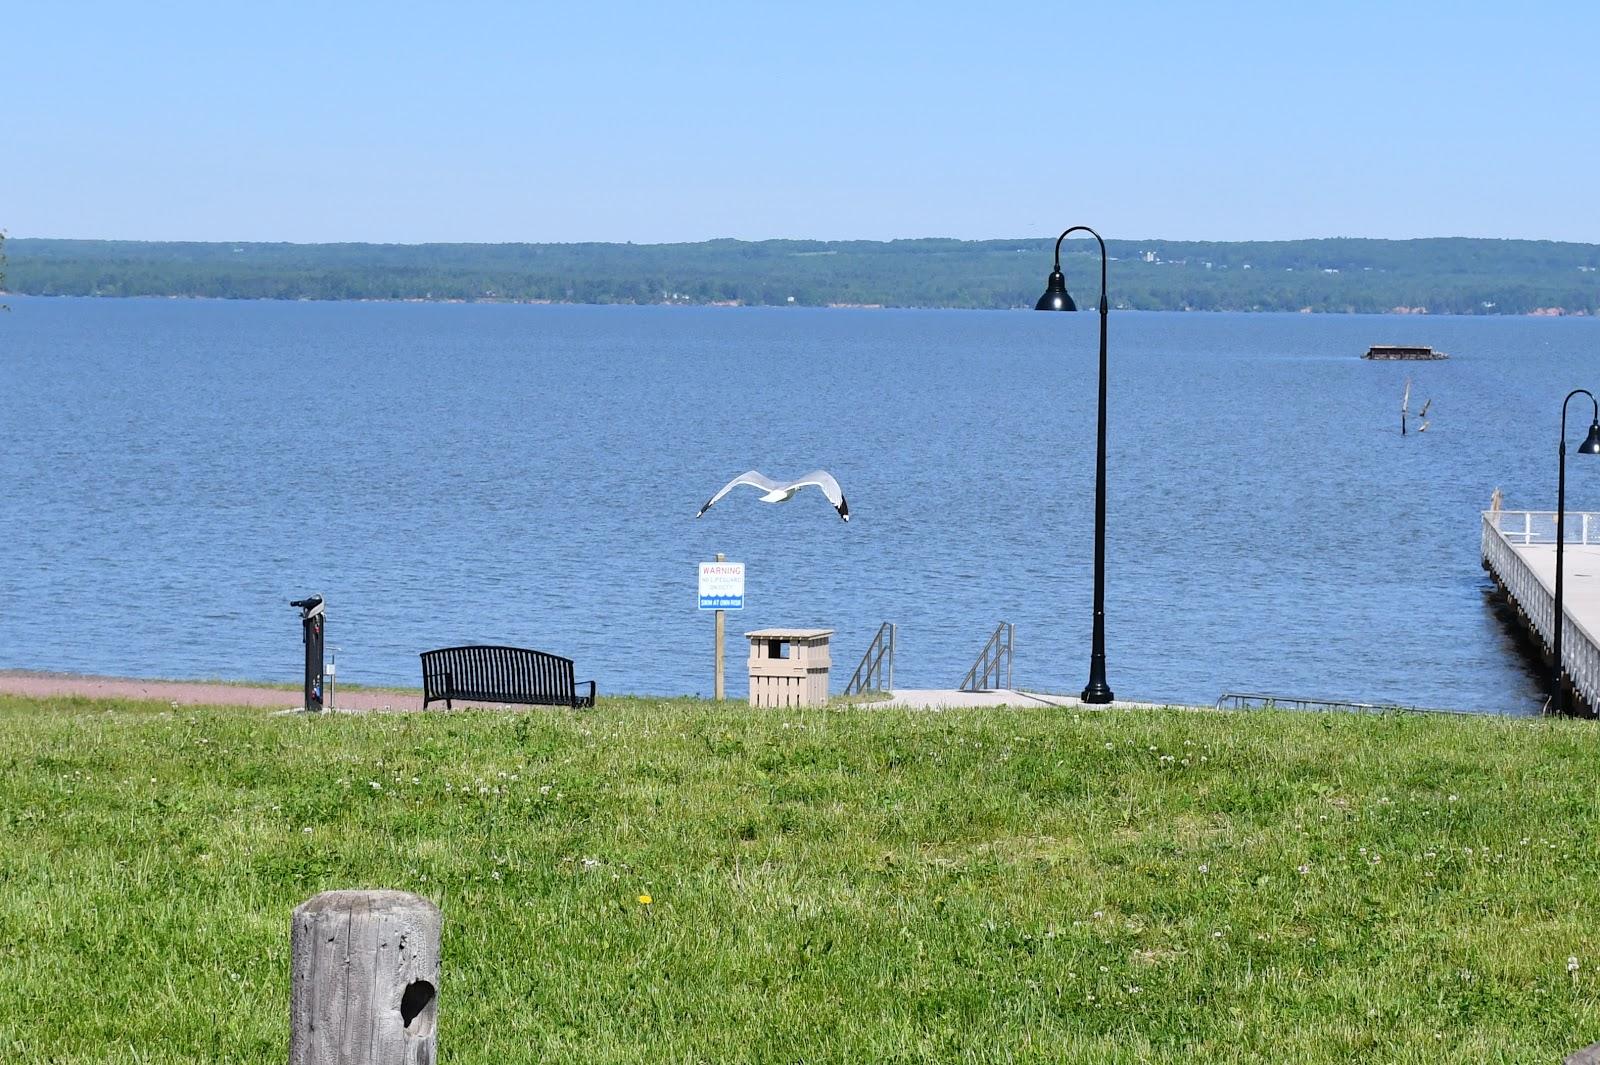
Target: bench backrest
column 506, row 674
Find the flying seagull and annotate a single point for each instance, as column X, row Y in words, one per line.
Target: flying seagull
column 779, row 492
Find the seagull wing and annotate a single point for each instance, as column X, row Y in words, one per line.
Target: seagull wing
column 830, row 488
column 751, row 477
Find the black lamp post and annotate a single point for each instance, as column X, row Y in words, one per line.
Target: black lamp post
column 1055, row 298
column 1590, row 446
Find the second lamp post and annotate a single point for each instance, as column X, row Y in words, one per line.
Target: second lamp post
column 1590, row 446
column 1056, row 298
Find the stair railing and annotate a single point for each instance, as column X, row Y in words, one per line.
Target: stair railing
column 869, row 675
column 986, row 672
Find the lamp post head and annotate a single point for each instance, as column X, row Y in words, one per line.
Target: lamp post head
column 1055, row 296
column 1591, row 443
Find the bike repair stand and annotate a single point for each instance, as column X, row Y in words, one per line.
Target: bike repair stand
column 311, row 631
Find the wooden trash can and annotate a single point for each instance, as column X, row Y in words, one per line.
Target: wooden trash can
column 789, row 667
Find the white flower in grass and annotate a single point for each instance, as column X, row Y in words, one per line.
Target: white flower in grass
column 1204, row 867
column 1572, row 964
column 374, row 785
column 1303, row 870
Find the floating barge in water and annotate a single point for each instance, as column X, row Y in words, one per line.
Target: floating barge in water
column 1402, row 351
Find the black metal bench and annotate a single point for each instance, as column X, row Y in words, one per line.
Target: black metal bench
column 500, row 675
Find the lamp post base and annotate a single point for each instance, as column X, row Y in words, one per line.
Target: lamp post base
column 1097, row 692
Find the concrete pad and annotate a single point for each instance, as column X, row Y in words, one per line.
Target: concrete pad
column 949, row 698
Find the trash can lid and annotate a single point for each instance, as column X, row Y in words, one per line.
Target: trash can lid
column 788, row 634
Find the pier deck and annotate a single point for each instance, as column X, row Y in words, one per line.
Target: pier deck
column 1519, row 551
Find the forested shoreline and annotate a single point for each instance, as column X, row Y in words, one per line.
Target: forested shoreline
column 1337, row 275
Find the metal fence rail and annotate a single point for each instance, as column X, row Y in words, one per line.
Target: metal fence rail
column 869, row 675
column 1268, row 701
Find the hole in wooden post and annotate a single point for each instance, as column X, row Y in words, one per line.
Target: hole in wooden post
column 414, row 1011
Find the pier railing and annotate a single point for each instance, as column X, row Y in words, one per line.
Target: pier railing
column 1504, row 531
column 1523, row 527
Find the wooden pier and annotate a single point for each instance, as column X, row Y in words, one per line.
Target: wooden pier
column 1519, row 551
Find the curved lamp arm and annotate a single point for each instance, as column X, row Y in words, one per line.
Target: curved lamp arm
column 1574, row 392
column 1085, row 229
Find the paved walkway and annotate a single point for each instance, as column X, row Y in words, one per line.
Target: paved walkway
column 218, row 693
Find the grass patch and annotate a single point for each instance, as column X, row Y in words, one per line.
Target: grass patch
column 827, row 885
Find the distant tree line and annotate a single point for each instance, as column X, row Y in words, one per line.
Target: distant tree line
column 1439, row 276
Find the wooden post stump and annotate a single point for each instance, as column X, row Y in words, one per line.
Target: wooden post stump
column 364, row 979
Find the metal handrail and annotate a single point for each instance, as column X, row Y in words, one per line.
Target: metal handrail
column 997, row 650
column 1270, row 701
column 1524, row 527
column 870, row 671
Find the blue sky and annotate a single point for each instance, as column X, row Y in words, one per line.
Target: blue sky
column 621, row 121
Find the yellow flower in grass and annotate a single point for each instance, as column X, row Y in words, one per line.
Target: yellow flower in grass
column 645, row 900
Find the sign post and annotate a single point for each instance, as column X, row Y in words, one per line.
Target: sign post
column 721, row 590
column 718, row 692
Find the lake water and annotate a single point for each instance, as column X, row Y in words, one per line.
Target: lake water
column 176, row 471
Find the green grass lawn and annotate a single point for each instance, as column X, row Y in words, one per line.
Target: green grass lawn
column 847, row 885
